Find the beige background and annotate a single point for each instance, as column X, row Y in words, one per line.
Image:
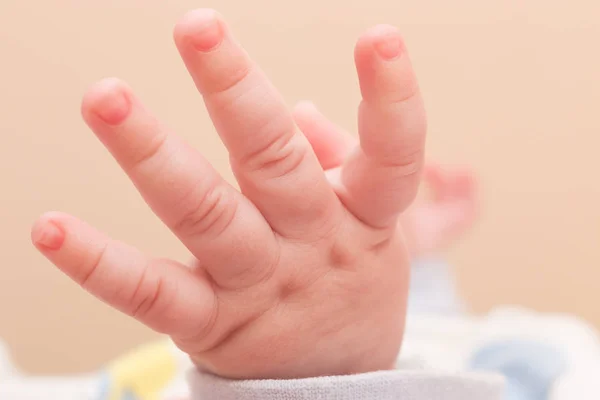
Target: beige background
column 512, row 88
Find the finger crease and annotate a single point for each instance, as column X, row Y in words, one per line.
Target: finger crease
column 236, row 78
column 153, row 149
column 149, row 301
column 85, row 279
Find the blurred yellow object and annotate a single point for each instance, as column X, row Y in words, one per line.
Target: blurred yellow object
column 141, row 374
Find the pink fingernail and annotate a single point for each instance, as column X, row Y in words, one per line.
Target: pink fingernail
column 47, row 235
column 389, row 44
column 207, row 32
column 113, row 106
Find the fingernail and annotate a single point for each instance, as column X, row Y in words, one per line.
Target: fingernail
column 113, row 106
column 48, row 235
column 207, row 33
column 389, row 44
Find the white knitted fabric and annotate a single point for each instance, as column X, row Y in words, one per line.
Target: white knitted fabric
column 385, row 385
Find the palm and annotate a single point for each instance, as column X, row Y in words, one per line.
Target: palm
column 290, row 324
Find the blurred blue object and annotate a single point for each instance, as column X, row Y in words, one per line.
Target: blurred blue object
column 530, row 368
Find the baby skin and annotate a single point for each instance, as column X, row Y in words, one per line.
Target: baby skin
column 302, row 272
column 429, row 224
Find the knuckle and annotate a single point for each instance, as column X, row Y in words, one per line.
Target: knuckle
column 149, row 152
column 155, row 298
column 407, row 163
column 199, row 341
column 403, row 93
column 210, row 214
column 87, row 277
column 146, row 294
column 279, row 156
column 254, row 275
column 231, row 78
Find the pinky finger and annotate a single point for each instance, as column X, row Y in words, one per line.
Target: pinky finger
column 166, row 296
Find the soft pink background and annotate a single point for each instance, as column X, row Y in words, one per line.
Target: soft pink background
column 512, row 88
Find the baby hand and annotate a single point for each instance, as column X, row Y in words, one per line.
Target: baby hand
column 295, row 276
